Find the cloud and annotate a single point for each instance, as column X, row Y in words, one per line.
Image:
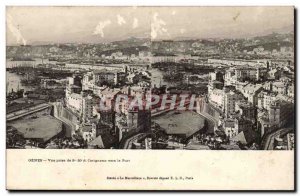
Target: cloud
column 135, row 23
column 121, row 20
column 182, row 31
column 100, row 27
column 15, row 31
column 157, row 26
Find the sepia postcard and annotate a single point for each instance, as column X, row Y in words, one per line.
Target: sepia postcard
column 150, row 98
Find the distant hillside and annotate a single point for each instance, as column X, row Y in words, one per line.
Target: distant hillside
column 132, row 42
column 125, row 51
column 269, row 46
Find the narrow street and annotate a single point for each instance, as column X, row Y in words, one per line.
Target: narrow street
column 268, row 143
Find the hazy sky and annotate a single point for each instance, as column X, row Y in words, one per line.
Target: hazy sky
column 101, row 24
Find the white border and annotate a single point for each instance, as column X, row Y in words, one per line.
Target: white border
column 4, row 3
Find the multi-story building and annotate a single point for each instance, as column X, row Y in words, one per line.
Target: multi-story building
column 73, row 96
column 251, row 91
column 88, row 81
column 133, row 78
column 105, row 78
column 242, row 124
column 228, row 126
column 265, row 98
column 108, row 97
column 216, row 97
column 246, row 110
column 290, row 141
column 88, row 132
column 216, row 76
column 75, row 80
column 290, row 91
column 239, row 85
column 247, row 73
column 88, row 102
column 274, row 74
column 279, row 114
column 80, row 102
column 230, row 77
column 230, row 98
column 120, row 78
column 237, row 126
column 74, row 102
column 215, row 85
column 139, row 120
column 279, row 87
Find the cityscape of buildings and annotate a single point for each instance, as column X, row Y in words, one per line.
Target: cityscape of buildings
column 238, row 94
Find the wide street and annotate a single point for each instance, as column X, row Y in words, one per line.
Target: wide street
column 23, row 112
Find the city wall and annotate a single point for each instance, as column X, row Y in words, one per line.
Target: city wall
column 67, row 117
column 211, row 113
